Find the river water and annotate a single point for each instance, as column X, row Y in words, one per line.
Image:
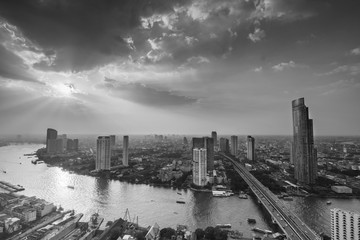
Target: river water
column 150, row 204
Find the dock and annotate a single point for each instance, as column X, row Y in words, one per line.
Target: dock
column 10, row 187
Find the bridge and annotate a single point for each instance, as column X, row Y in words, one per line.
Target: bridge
column 293, row 227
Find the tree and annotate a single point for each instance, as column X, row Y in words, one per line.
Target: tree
column 220, row 234
column 166, row 233
column 209, row 233
column 199, row 233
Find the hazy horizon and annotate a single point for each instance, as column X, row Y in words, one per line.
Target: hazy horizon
column 162, row 66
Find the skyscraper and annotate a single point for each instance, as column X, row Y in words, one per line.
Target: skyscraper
column 112, row 140
column 208, row 144
column 199, row 166
column 234, row 145
column 304, row 154
column 214, row 136
column 224, row 145
column 250, row 143
column 103, row 153
column 126, row 151
column 50, row 134
column 344, row 225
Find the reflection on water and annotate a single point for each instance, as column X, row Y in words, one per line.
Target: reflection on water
column 151, row 204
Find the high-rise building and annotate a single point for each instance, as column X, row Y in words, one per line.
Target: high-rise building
column 50, row 134
column 103, row 153
column 250, row 143
column 199, row 166
column 345, row 225
column 112, row 140
column 224, row 145
column 208, row 144
column 126, row 151
column 234, row 145
column 214, row 136
column 291, row 153
column 304, row 154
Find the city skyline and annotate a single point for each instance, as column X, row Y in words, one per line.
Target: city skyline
column 185, row 66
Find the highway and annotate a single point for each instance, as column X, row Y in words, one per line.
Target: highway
column 290, row 223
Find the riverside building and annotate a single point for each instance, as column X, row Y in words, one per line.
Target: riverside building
column 199, row 166
column 304, row 154
column 103, row 153
column 345, row 225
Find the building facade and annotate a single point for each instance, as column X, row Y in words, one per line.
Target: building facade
column 304, row 153
column 126, row 151
column 208, row 144
column 199, row 166
column 224, row 145
column 234, row 145
column 250, row 144
column 214, row 137
column 103, row 153
column 345, row 225
column 51, row 134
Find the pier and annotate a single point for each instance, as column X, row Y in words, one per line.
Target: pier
column 10, row 187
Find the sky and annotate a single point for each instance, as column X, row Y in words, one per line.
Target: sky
column 178, row 66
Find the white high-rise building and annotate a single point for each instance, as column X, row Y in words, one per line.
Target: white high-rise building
column 199, row 166
column 345, row 225
column 103, row 153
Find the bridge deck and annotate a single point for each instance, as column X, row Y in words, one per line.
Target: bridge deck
column 290, row 223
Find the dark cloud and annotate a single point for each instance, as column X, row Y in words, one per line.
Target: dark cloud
column 82, row 33
column 13, row 67
column 145, row 95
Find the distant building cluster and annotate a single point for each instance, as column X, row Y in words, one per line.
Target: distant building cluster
column 105, row 149
column 22, row 209
column 57, row 144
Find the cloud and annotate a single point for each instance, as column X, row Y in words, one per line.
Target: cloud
column 13, row 67
column 146, row 95
column 258, row 69
column 352, row 70
column 339, row 86
column 82, row 34
column 355, row 51
column 281, row 66
column 257, row 35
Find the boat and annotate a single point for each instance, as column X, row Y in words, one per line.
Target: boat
column 69, row 186
column 34, row 161
column 224, row 225
column 179, row 193
column 251, row 220
column 243, row 195
column 328, row 202
column 226, row 193
column 181, row 202
column 255, row 229
column 40, row 162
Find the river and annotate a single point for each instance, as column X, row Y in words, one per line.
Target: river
column 150, row 204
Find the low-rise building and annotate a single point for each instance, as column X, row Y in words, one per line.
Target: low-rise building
column 7, row 199
column 25, row 213
column 341, row 189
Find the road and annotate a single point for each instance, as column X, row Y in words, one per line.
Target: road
column 290, row 223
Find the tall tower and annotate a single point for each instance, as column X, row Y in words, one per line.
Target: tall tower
column 234, row 145
column 103, row 153
column 126, row 151
column 304, row 154
column 250, row 143
column 51, row 134
column 214, row 137
column 224, row 145
column 199, row 166
column 208, row 144
column 344, row 225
